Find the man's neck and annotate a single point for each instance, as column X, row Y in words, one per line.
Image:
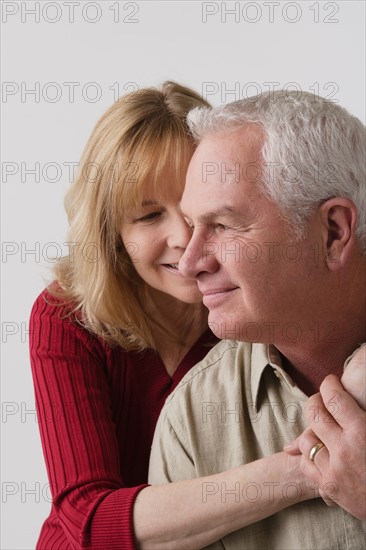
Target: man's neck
column 309, row 366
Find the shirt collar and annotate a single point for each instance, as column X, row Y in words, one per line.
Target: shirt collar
column 267, row 355
column 263, row 356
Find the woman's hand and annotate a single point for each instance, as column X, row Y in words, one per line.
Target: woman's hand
column 339, row 467
column 354, row 377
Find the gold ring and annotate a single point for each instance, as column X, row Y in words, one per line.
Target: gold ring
column 314, row 450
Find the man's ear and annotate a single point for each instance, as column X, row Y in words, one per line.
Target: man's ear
column 339, row 218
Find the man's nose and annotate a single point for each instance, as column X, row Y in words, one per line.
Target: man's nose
column 199, row 257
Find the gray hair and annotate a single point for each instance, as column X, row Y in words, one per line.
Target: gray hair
column 313, row 150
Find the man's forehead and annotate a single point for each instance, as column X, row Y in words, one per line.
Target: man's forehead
column 226, row 155
column 209, row 198
column 248, row 136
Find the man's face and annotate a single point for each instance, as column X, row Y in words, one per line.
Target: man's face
column 258, row 284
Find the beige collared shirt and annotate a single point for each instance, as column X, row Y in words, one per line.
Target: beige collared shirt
column 235, row 406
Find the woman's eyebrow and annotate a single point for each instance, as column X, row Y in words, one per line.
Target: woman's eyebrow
column 149, row 203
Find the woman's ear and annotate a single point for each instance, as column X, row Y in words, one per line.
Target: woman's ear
column 339, row 218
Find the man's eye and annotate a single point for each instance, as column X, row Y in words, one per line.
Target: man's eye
column 149, row 217
column 221, row 227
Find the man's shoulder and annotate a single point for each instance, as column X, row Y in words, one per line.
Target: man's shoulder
column 217, row 367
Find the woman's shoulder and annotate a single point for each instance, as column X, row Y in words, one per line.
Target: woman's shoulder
column 57, row 321
column 49, row 304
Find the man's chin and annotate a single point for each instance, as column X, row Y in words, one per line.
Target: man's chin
column 222, row 327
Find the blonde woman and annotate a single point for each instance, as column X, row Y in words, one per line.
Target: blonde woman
column 113, row 335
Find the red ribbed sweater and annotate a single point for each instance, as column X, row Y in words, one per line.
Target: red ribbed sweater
column 97, row 409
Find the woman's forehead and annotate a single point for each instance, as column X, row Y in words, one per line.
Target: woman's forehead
column 157, row 188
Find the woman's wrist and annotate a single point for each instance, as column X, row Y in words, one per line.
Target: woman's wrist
column 283, row 483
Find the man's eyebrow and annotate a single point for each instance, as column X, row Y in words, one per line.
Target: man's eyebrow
column 219, row 212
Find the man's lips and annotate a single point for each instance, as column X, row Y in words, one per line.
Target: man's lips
column 220, row 290
column 214, row 296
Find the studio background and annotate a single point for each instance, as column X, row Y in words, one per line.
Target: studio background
column 63, row 64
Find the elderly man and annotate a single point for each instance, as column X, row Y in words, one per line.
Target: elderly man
column 276, row 199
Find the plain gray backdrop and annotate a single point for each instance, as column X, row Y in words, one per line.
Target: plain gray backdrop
column 63, row 64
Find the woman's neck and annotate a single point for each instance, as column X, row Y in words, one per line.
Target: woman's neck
column 176, row 327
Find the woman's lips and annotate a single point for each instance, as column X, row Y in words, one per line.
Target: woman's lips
column 172, row 268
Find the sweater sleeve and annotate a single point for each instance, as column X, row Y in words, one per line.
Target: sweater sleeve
column 78, row 433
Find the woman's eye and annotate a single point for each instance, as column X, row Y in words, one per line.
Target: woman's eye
column 189, row 223
column 149, row 217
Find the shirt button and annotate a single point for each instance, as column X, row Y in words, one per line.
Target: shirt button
column 278, row 374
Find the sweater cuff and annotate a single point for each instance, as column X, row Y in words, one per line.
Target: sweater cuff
column 112, row 525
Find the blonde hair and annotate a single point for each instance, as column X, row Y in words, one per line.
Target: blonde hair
column 139, row 136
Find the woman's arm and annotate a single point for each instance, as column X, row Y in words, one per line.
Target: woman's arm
column 339, row 468
column 195, row 513
column 91, row 504
column 90, row 499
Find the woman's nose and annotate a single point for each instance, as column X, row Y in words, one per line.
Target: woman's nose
column 180, row 234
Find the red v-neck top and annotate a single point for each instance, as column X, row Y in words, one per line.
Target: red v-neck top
column 97, row 409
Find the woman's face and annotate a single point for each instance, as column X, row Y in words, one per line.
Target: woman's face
column 155, row 236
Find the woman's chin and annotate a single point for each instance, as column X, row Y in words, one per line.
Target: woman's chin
column 192, row 298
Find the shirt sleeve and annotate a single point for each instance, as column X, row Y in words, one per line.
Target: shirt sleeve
column 191, row 420
column 170, row 458
column 78, row 433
